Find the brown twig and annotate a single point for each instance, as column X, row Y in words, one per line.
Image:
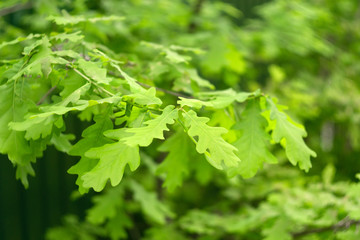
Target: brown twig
column 15, row 8
column 196, row 11
column 343, row 224
column 45, row 96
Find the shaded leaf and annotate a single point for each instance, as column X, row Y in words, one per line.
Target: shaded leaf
column 113, row 159
column 175, row 165
column 253, row 144
column 150, row 205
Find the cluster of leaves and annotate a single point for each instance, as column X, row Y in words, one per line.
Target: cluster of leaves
column 84, row 85
column 148, row 90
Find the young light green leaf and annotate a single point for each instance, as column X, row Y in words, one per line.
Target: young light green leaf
column 154, row 128
column 36, row 127
column 215, row 99
column 92, row 70
column 146, row 97
column 220, row 153
column 175, row 57
column 253, row 144
column 175, row 165
column 113, row 159
column 41, row 124
column 290, row 135
column 150, row 205
column 141, row 96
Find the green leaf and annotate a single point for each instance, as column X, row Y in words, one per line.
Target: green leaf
column 72, row 20
column 253, row 144
column 175, row 165
column 40, row 63
column 194, row 76
column 150, row 205
column 13, row 143
column 224, row 118
column 146, row 97
column 215, row 99
column 201, row 222
column 92, row 137
column 164, row 232
column 141, row 96
column 72, row 37
column 62, row 107
column 113, row 159
column 175, row 57
column 36, row 127
column 70, row 83
column 290, row 135
column 279, row 230
column 62, row 141
column 41, row 124
column 170, row 55
column 19, row 39
column 105, row 205
column 72, row 229
column 94, row 71
column 154, row 128
column 117, row 225
column 220, row 153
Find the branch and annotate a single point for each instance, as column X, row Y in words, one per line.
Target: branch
column 46, row 95
column 196, row 11
column 343, row 224
column 15, row 8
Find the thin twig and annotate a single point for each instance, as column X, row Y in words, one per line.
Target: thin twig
column 45, row 96
column 343, row 224
column 15, row 8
